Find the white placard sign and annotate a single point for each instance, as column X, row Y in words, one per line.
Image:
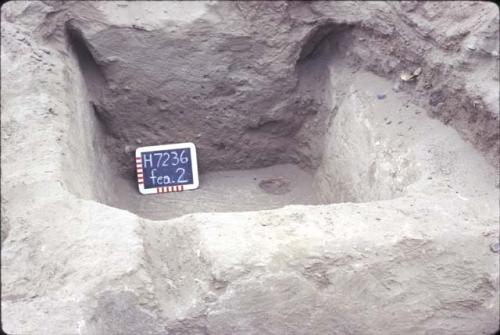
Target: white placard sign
column 166, row 168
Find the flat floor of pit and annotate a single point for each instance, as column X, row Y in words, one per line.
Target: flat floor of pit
column 225, row 191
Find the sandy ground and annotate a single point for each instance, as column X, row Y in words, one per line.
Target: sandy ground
column 335, row 197
column 224, row 191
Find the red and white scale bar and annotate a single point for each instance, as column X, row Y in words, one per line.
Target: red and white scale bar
column 169, row 189
column 140, row 172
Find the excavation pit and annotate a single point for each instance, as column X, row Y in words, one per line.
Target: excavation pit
column 330, row 139
column 318, row 130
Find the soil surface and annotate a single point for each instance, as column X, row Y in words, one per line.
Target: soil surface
column 225, row 191
column 348, row 155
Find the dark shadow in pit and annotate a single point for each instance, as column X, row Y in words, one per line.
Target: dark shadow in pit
column 93, row 75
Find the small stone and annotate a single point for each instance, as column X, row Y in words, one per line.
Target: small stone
column 396, row 87
column 476, row 104
column 495, row 247
column 405, row 76
column 128, row 149
column 488, row 233
column 138, row 141
column 381, row 96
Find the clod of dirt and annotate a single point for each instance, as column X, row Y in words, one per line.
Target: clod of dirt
column 275, row 185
